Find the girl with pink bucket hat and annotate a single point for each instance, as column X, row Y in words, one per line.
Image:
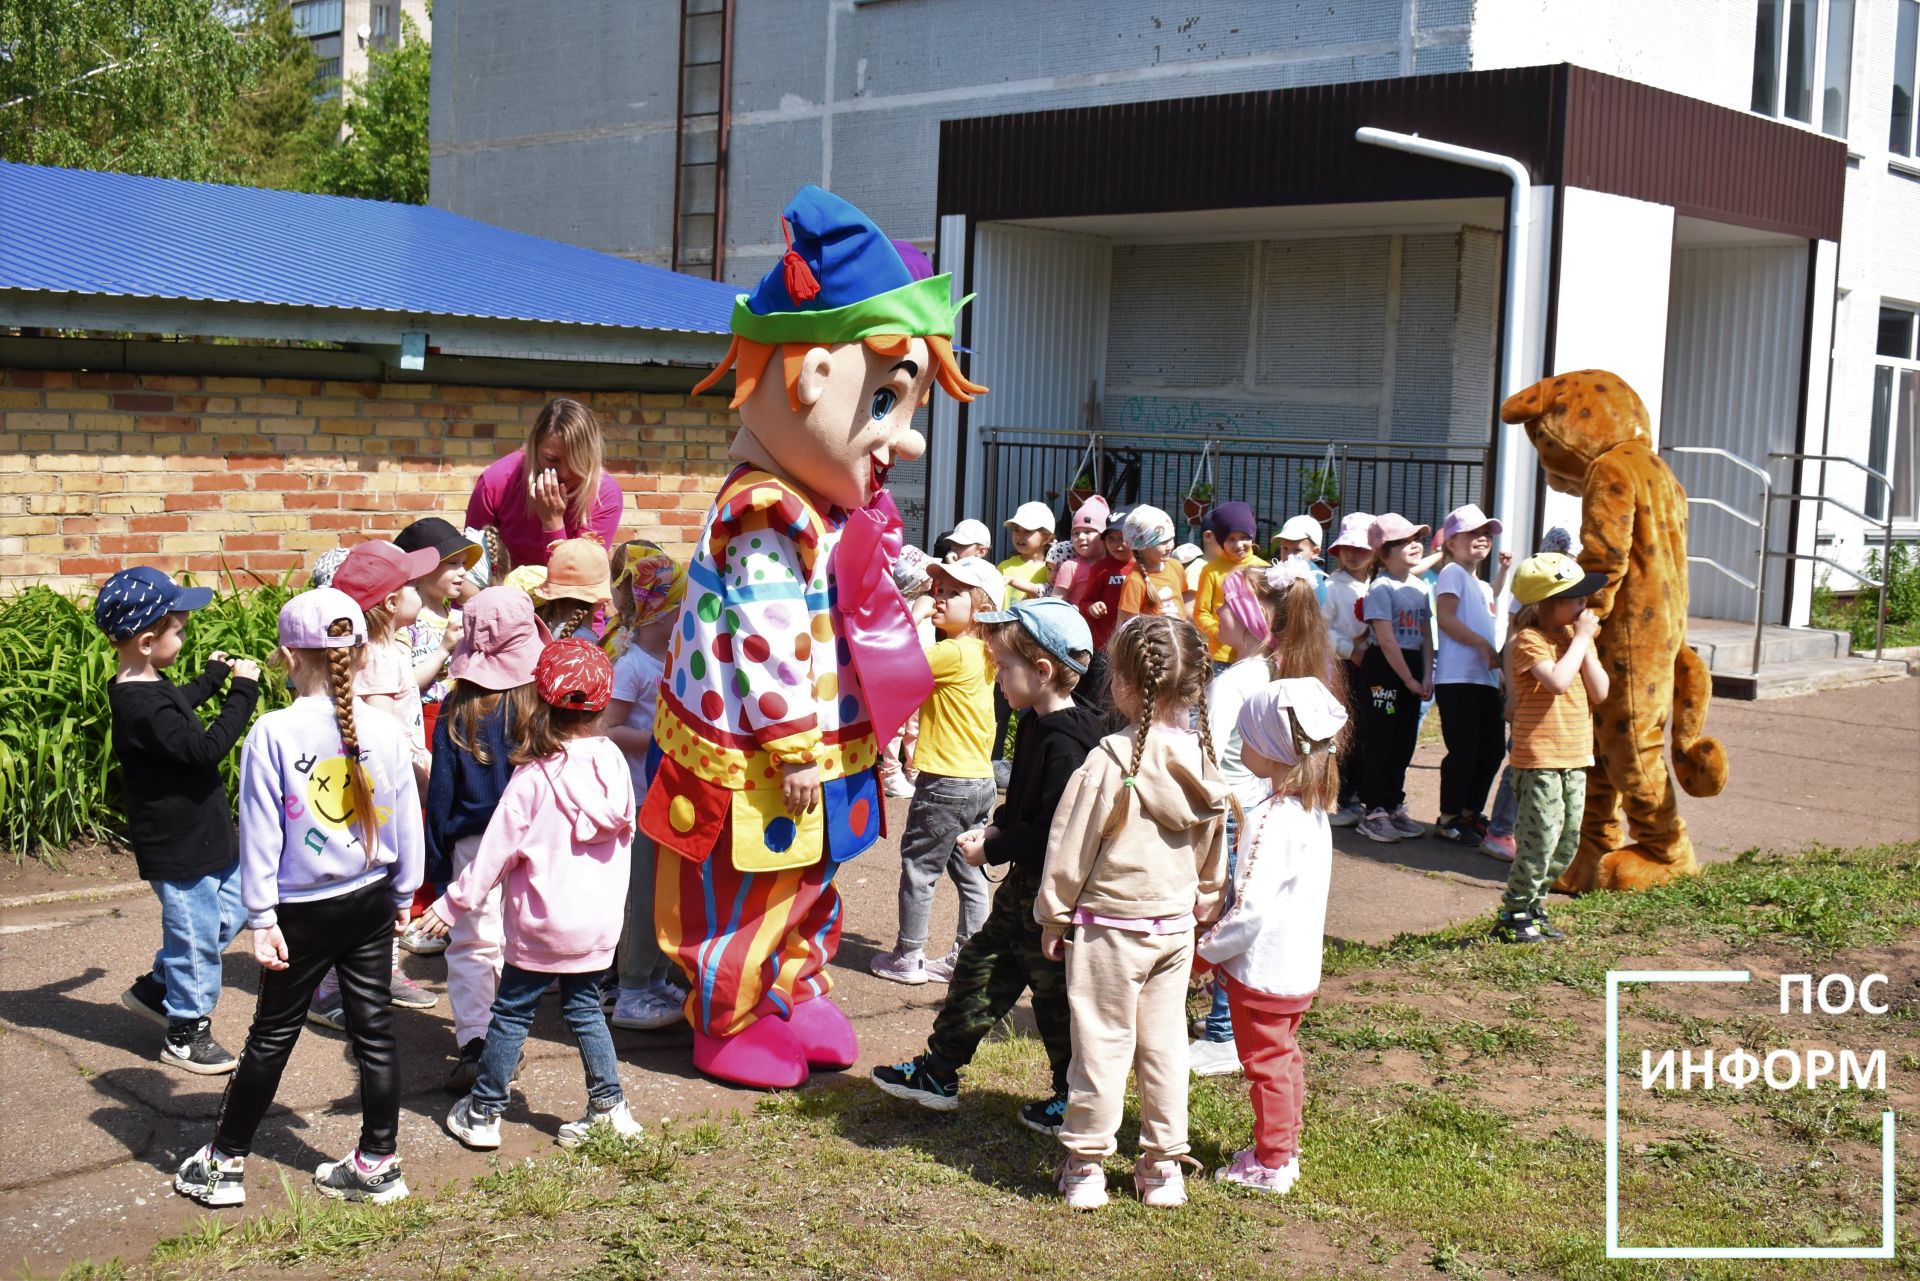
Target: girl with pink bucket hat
column 492, row 693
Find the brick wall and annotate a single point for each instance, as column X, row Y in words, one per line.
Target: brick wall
column 102, row 470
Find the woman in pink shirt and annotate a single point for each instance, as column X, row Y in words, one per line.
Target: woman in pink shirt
column 554, row 488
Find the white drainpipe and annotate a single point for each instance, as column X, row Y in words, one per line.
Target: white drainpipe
column 1513, row 495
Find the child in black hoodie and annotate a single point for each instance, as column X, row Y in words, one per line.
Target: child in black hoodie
column 1040, row 650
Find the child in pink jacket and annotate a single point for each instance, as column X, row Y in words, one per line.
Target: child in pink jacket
column 559, row 848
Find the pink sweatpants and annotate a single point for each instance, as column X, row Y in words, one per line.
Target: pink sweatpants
column 1266, row 1029
column 476, row 949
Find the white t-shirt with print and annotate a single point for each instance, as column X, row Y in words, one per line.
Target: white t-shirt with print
column 1455, row 662
column 636, row 680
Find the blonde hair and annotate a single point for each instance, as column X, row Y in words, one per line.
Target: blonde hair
column 1165, row 661
column 366, row 819
column 1298, row 644
column 580, row 444
column 379, row 624
column 1019, row 642
column 748, row 360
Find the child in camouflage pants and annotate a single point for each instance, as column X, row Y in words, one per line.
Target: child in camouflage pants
column 1041, row 648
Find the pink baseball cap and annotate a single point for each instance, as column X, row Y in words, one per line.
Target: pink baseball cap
column 1466, row 520
column 304, row 620
column 502, row 642
column 1092, row 514
column 1393, row 528
column 1354, row 527
column 374, row 570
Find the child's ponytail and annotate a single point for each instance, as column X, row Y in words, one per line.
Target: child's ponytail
column 366, row 819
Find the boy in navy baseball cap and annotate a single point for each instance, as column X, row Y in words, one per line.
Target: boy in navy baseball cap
column 178, row 819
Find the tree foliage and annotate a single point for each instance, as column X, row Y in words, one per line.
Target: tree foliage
column 210, row 91
column 384, row 153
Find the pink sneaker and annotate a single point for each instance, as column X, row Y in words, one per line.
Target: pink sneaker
column 1083, row 1183
column 1162, row 1185
column 1247, row 1171
column 1500, row 847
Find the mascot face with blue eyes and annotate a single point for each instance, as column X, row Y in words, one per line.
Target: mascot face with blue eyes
column 794, row 660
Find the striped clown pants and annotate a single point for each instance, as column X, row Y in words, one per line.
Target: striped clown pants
column 749, row 943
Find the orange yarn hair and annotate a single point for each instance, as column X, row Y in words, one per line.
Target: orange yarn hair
column 748, row 360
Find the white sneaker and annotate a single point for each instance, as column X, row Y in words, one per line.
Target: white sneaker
column 475, row 1132
column 212, row 1181
column 644, row 1009
column 422, row 944
column 1213, row 1058
column 617, row 1118
column 1348, row 815
column 898, row 787
column 941, row 971
column 901, row 967
column 1083, row 1183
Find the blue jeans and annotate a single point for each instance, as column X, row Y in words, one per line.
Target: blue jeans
column 1220, row 1018
column 513, row 1009
column 198, row 918
column 1506, row 810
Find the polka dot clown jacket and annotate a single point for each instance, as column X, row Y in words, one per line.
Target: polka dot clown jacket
column 759, row 677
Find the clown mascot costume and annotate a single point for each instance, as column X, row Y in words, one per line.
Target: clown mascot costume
column 794, row 654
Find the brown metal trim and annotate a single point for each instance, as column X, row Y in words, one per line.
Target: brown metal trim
column 725, row 125
column 1295, row 146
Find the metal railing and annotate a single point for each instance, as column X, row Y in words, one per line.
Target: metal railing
column 1886, row 535
column 1758, row 583
column 1270, row 475
column 1768, row 496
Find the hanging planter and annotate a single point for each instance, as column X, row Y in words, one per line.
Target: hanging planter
column 1197, row 503
column 1320, row 490
column 1079, row 491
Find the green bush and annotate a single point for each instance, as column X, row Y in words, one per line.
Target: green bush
column 1858, row 616
column 59, row 782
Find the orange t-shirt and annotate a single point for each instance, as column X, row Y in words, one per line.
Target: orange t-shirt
column 1550, row 731
column 1167, row 585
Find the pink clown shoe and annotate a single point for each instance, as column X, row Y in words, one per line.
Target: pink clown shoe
column 763, row 1056
column 825, row 1034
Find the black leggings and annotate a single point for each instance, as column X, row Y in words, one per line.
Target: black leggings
column 1353, row 765
column 1472, row 720
column 354, row 935
column 1390, row 724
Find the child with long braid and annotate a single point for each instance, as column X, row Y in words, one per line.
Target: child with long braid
column 330, row 854
column 1136, row 859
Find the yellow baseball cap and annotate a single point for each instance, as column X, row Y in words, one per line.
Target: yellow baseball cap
column 1550, row 574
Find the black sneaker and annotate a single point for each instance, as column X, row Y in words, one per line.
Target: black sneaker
column 1459, row 830
column 1546, row 929
column 344, row 1180
column 1518, row 927
column 212, row 1181
column 466, row 1068
column 1045, row 1116
column 147, row 998
column 913, row 1081
column 190, row 1045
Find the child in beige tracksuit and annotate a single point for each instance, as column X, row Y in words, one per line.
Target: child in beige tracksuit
column 1136, row 858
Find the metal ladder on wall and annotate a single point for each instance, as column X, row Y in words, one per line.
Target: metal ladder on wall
column 700, row 143
column 1762, row 522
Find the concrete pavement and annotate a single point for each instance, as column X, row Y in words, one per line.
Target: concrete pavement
column 95, row 1125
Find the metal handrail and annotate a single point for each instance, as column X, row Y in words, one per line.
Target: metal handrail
column 1711, row 563
column 1759, row 586
column 1316, row 446
column 1886, row 535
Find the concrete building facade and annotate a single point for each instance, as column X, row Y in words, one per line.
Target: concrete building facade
column 1295, row 322
column 344, row 33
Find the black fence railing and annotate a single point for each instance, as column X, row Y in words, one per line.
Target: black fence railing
column 1421, row 482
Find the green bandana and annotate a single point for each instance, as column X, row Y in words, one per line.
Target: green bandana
column 923, row 308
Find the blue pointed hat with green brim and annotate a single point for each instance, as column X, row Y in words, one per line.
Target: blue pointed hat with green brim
column 841, row 280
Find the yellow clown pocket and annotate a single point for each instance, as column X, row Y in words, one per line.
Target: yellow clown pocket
column 767, row 838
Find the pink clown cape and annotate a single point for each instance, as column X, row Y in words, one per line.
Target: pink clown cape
column 875, row 620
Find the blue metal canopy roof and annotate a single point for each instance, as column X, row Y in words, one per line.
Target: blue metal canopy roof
column 79, row 231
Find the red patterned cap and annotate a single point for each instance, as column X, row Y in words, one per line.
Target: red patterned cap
column 574, row 674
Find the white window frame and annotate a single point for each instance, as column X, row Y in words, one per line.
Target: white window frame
column 1822, row 19
column 1908, row 160
column 1908, row 526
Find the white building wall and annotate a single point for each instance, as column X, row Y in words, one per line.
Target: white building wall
column 1702, row 48
column 1879, row 259
column 1611, row 310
